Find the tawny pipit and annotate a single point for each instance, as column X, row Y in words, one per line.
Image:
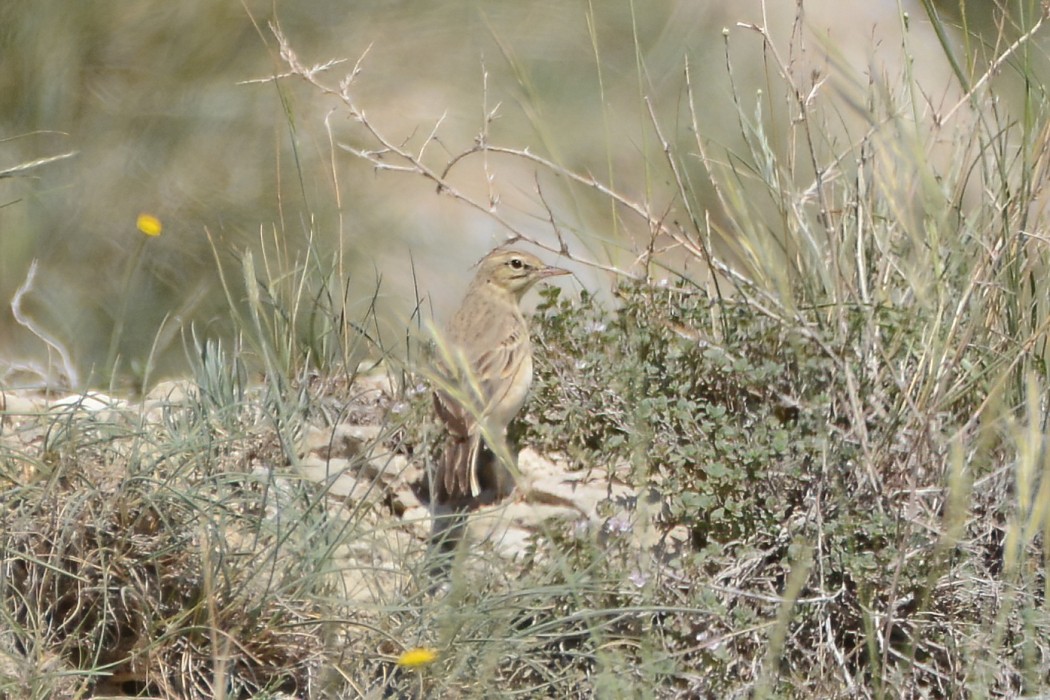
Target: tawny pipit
column 488, row 360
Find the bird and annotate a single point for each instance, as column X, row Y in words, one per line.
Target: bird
column 483, row 380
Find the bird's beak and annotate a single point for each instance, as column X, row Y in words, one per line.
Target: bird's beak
column 552, row 272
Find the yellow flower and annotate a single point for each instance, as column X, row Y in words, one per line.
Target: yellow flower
column 149, row 225
column 417, row 658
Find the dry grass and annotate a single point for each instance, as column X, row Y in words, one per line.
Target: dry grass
column 821, row 378
column 136, row 561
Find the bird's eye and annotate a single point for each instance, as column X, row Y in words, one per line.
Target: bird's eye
column 517, row 263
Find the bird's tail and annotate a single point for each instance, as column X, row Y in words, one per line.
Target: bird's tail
column 469, row 475
column 448, row 528
column 451, row 498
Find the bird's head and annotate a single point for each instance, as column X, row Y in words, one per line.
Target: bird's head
column 514, row 271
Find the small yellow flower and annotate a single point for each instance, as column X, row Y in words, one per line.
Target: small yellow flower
column 417, row 658
column 149, row 225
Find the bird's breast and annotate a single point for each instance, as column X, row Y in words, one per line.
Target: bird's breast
column 503, row 411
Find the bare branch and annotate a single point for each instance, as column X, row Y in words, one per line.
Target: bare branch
column 68, row 370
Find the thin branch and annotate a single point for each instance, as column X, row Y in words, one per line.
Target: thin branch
column 994, row 68
column 23, row 167
column 26, row 322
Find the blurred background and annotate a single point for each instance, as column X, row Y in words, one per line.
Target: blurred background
column 171, row 109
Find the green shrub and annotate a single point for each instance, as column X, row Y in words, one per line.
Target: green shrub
column 721, row 409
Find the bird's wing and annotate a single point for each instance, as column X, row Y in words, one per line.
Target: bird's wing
column 489, row 356
column 496, row 368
